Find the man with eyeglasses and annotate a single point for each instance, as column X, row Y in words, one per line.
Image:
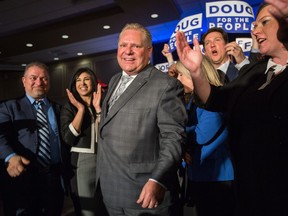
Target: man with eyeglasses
column 31, row 185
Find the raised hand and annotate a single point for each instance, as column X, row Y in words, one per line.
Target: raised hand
column 97, row 98
column 167, row 54
column 191, row 58
column 236, row 51
column 73, row 100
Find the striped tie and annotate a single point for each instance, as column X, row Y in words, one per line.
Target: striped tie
column 44, row 154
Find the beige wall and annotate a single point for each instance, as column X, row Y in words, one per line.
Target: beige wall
column 104, row 66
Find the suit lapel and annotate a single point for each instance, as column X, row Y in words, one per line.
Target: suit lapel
column 28, row 107
column 127, row 95
column 112, row 85
column 279, row 81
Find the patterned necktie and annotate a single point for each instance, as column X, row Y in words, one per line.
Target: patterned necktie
column 44, row 154
column 123, row 82
column 270, row 74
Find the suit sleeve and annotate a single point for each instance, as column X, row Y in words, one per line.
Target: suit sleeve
column 66, row 117
column 6, row 131
column 171, row 117
column 219, row 98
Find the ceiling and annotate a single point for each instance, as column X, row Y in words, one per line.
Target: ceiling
column 43, row 22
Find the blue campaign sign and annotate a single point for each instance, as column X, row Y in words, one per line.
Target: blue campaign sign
column 232, row 16
column 191, row 25
column 162, row 67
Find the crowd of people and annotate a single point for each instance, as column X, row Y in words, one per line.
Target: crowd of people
column 256, row 117
column 217, row 120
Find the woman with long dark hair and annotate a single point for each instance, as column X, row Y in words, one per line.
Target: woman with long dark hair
column 79, row 128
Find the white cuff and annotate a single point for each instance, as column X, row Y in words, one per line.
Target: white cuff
column 240, row 65
column 73, row 130
column 150, row 179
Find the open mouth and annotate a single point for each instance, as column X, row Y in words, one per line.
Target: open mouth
column 214, row 52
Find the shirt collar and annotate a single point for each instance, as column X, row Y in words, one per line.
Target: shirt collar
column 278, row 67
column 224, row 67
column 125, row 74
column 32, row 100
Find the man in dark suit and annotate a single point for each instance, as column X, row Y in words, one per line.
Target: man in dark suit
column 30, row 188
column 141, row 133
column 222, row 54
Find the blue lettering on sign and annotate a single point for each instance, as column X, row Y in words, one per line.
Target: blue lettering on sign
column 162, row 66
column 232, row 16
column 189, row 36
column 186, row 24
column 231, row 26
column 230, row 9
column 191, row 26
column 244, row 43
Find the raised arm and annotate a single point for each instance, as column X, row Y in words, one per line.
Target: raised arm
column 168, row 55
column 192, row 61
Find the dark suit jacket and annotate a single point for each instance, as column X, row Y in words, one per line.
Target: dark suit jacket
column 141, row 138
column 68, row 113
column 230, row 75
column 258, row 125
column 18, row 128
column 18, row 134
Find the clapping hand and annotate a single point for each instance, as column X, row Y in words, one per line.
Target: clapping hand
column 97, row 99
column 73, row 100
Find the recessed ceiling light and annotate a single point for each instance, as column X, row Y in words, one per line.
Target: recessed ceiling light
column 79, row 54
column 154, row 16
column 106, row 27
column 56, row 58
column 23, row 65
column 29, row 45
column 65, row 36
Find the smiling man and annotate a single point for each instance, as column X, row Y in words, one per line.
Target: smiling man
column 31, row 149
column 141, row 132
